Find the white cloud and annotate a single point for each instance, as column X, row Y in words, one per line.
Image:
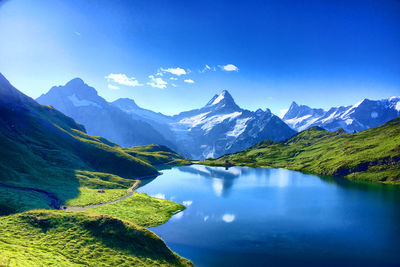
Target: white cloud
column 123, row 79
column 207, row 68
column 188, row 81
column 157, row 82
column 113, row 87
column 174, row 85
column 205, row 218
column 173, row 78
column 78, row 33
column 175, row 71
column 159, row 195
column 187, row 203
column 229, row 67
column 228, row 218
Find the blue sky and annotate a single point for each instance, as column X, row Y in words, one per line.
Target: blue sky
column 265, row 53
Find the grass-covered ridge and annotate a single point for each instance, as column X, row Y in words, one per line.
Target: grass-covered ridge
column 141, row 210
column 371, row 155
column 157, row 155
column 43, row 238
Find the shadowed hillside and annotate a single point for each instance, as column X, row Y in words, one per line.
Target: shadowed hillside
column 46, row 150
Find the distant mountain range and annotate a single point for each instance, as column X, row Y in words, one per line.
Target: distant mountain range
column 218, row 128
column 82, row 103
column 361, row 116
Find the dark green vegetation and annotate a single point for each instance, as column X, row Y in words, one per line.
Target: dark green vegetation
column 43, row 238
column 141, row 209
column 371, row 155
column 18, row 201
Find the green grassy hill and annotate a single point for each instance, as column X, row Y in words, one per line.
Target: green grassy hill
column 157, row 155
column 371, row 155
column 59, row 238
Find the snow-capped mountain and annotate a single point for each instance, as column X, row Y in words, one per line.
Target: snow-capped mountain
column 218, row 128
column 222, row 127
column 361, row 116
column 81, row 102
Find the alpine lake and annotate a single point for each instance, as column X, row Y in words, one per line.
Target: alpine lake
column 241, row 216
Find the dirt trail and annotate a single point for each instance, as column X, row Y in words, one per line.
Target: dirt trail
column 55, row 203
column 130, row 193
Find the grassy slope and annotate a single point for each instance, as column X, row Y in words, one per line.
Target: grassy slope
column 157, row 155
column 43, row 238
column 371, row 155
column 89, row 196
column 141, row 209
column 42, row 155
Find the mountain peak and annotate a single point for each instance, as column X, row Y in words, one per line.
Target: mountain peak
column 75, row 92
column 78, row 86
column 75, row 82
column 292, row 111
column 224, row 98
column 225, row 92
column 293, row 105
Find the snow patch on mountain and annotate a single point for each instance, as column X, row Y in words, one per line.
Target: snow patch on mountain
column 211, row 122
column 82, row 103
column 218, row 99
column 329, row 118
column 239, row 128
column 191, row 122
column 296, row 121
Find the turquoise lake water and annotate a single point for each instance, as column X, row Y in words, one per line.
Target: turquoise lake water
column 256, row 217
